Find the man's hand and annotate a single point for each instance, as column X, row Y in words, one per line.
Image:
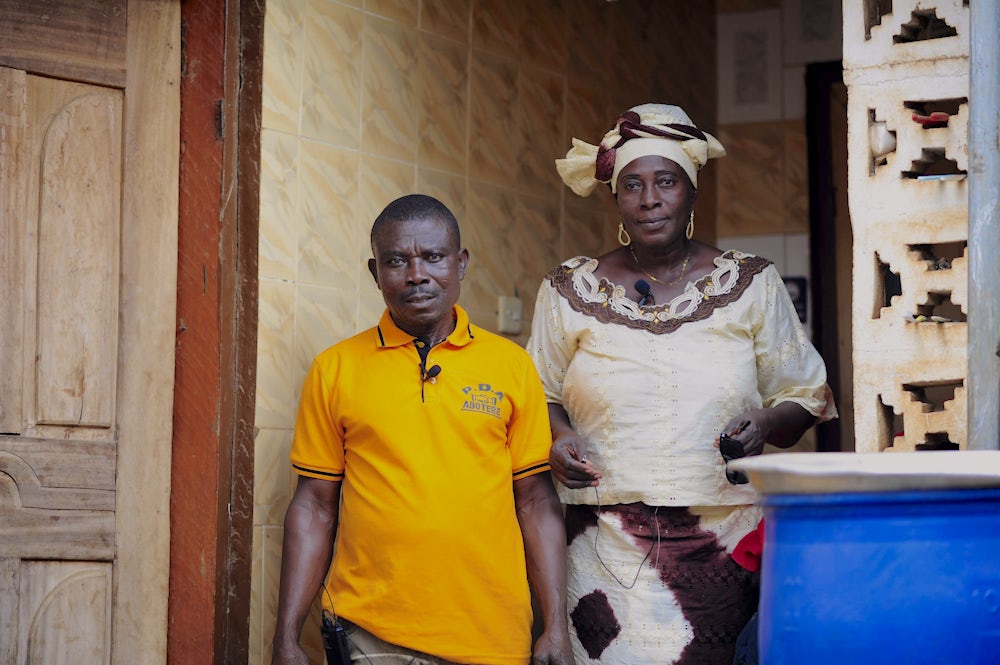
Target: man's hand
column 553, row 648
column 291, row 655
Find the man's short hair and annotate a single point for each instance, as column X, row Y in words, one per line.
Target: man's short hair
column 413, row 207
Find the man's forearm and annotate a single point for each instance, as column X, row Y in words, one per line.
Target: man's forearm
column 310, row 526
column 543, row 530
column 547, row 573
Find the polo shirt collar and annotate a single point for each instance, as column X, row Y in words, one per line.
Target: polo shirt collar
column 387, row 333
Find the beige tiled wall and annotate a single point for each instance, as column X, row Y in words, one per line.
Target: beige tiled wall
column 469, row 101
column 763, row 179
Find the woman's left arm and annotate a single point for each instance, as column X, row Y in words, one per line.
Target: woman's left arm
column 791, row 376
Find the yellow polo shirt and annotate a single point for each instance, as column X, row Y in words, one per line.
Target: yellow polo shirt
column 429, row 552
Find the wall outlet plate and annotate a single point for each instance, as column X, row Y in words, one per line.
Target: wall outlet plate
column 509, row 315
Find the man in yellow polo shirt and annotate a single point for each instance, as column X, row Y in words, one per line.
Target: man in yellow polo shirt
column 422, row 445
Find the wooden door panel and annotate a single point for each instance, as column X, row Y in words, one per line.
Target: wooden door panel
column 13, row 193
column 61, row 230
column 64, row 613
column 67, row 473
column 55, row 612
column 76, row 154
column 66, row 534
column 59, row 500
column 8, row 603
column 82, row 40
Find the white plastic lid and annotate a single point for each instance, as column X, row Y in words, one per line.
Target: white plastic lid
column 826, row 473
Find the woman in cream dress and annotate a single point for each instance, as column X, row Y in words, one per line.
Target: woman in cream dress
column 648, row 353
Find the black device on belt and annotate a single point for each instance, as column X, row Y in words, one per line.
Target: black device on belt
column 334, row 641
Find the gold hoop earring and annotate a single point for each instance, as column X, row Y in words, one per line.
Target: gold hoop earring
column 627, row 239
column 689, row 231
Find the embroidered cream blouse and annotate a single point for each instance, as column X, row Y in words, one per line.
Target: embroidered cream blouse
column 650, row 388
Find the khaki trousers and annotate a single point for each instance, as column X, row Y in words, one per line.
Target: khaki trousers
column 367, row 649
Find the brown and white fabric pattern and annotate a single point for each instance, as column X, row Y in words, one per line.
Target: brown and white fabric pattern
column 689, row 600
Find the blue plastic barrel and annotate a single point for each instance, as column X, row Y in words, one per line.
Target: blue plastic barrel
column 851, row 573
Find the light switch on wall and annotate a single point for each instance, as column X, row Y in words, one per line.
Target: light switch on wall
column 509, row 316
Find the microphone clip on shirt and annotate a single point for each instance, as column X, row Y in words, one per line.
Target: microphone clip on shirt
column 643, row 289
column 423, row 350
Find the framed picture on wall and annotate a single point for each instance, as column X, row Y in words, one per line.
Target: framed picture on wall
column 750, row 68
column 813, row 31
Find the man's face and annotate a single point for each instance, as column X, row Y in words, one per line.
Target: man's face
column 418, row 266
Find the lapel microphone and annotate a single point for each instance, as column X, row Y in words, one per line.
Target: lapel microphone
column 431, row 373
column 642, row 288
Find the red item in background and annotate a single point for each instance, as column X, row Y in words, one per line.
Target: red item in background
column 932, row 120
column 748, row 551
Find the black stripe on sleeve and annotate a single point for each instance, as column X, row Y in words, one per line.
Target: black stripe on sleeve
column 325, row 474
column 536, row 467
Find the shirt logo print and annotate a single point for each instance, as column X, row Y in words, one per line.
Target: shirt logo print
column 483, row 399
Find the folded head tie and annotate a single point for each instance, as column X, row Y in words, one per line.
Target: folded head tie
column 648, row 129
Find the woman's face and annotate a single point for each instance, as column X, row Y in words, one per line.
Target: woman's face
column 654, row 198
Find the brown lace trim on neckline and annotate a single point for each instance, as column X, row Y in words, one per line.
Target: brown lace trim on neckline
column 562, row 280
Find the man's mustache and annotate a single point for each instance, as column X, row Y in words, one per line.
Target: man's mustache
column 419, row 291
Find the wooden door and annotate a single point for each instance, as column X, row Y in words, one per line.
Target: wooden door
column 89, row 112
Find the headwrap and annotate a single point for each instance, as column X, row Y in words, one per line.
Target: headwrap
column 647, row 129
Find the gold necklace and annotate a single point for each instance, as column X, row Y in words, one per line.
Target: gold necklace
column 684, row 267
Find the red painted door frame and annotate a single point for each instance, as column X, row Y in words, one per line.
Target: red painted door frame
column 211, row 521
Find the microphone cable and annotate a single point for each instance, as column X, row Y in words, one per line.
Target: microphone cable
column 656, row 544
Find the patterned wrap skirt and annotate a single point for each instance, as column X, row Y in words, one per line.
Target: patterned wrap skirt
column 657, row 585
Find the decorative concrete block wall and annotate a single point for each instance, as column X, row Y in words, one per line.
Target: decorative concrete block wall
column 907, row 72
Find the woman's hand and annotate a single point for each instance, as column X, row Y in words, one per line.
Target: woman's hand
column 781, row 425
column 568, row 454
column 568, row 460
column 751, row 429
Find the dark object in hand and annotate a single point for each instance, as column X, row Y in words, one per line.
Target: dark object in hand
column 732, row 449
